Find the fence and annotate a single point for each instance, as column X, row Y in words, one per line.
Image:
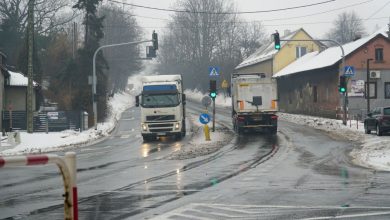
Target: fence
column 68, row 170
column 44, row 120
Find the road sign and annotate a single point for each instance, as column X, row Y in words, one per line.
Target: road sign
column 349, row 71
column 206, row 101
column 214, row 70
column 224, row 84
column 204, row 118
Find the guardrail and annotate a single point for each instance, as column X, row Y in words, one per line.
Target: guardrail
column 67, row 166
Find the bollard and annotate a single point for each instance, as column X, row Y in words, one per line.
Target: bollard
column 206, row 132
column 17, row 137
column 11, row 138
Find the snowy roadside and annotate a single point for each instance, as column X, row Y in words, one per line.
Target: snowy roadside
column 42, row 142
column 373, row 152
column 198, row 146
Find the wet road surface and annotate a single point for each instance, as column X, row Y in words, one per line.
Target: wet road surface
column 300, row 171
column 122, row 176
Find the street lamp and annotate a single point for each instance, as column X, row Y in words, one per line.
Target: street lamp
column 94, row 95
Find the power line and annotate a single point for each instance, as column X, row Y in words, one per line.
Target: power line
column 380, row 9
column 206, row 12
column 276, row 19
column 267, row 25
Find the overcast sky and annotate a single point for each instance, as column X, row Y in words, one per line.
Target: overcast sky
column 317, row 21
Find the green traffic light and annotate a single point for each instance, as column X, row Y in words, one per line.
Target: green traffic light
column 213, row 94
column 342, row 89
column 277, row 46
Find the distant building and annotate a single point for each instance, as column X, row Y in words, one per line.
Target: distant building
column 310, row 84
column 268, row 60
column 16, row 92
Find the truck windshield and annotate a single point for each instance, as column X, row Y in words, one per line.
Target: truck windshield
column 160, row 100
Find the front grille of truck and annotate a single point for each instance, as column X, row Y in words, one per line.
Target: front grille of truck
column 160, row 125
column 160, row 118
column 160, row 129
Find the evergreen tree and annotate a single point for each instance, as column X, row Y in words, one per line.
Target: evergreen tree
column 93, row 34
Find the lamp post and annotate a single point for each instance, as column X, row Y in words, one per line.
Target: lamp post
column 94, row 96
column 368, row 85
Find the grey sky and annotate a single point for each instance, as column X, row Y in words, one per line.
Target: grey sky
column 377, row 12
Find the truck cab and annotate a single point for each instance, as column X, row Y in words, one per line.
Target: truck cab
column 162, row 103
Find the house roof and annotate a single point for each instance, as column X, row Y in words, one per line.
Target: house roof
column 18, row 79
column 265, row 52
column 326, row 58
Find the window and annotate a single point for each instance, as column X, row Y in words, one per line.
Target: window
column 372, row 90
column 315, row 98
column 300, row 51
column 379, row 54
column 387, row 90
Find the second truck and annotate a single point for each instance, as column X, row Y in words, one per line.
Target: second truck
column 254, row 102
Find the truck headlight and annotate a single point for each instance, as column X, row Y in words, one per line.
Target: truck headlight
column 177, row 126
column 144, row 127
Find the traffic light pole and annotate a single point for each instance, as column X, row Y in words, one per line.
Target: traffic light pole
column 345, row 98
column 94, row 75
column 213, row 115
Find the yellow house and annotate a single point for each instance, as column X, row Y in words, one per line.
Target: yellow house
column 268, row 60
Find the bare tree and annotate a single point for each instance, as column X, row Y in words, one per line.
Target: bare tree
column 119, row 27
column 346, row 28
column 49, row 14
column 195, row 41
column 252, row 37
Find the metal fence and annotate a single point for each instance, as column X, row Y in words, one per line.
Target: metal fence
column 44, row 120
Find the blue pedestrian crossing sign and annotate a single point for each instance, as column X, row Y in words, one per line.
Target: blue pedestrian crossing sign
column 349, row 71
column 214, row 70
column 204, row 118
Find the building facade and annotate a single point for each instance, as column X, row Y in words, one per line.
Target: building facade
column 310, row 84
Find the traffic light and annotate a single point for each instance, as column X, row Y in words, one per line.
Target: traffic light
column 276, row 40
column 213, row 89
column 155, row 40
column 343, row 84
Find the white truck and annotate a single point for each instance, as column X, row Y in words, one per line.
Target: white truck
column 162, row 104
column 254, row 102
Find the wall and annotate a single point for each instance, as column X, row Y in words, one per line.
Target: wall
column 287, row 53
column 358, row 59
column 263, row 67
column 297, row 92
column 17, row 96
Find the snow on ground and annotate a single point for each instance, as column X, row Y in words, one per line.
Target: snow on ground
column 42, row 142
column 198, row 146
column 374, row 151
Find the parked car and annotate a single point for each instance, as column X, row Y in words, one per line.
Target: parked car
column 378, row 120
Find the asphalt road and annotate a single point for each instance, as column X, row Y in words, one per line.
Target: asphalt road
column 300, row 173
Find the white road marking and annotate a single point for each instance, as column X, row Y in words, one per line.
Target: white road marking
column 125, row 136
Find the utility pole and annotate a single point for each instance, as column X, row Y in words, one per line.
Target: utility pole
column 368, row 85
column 30, row 126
